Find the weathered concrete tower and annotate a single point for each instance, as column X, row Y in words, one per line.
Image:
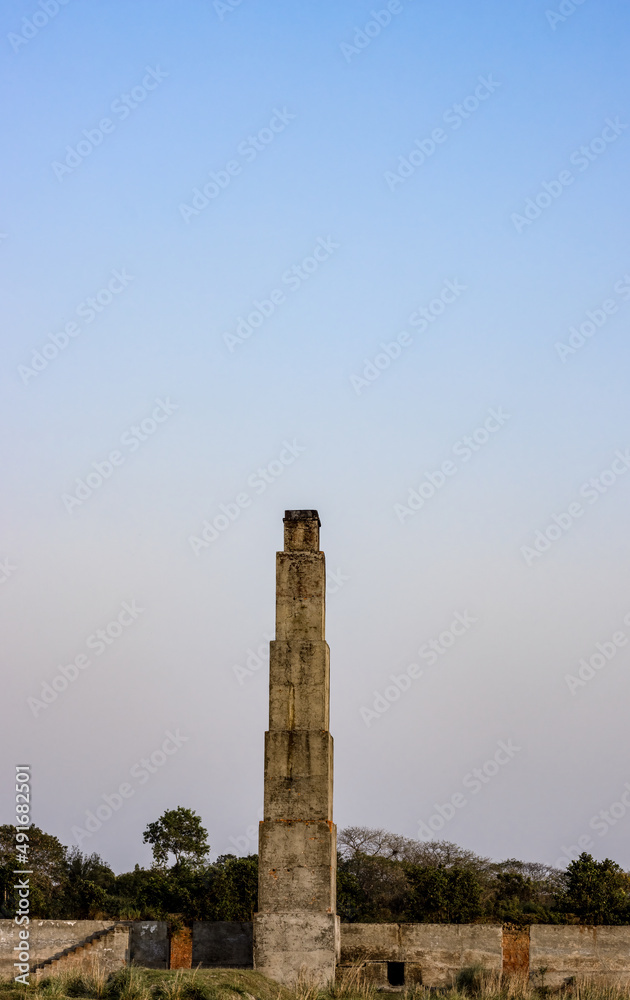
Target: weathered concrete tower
column 296, row 931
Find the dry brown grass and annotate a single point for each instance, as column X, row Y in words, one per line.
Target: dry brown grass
column 243, row 984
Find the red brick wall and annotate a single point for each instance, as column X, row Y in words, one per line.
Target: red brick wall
column 516, row 950
column 181, row 949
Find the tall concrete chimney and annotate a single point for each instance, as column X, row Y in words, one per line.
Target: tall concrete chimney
column 296, row 930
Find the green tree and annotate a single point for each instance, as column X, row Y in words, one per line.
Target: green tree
column 87, row 885
column 46, row 860
column 352, row 902
column 232, row 888
column 522, row 892
column 147, row 892
column 375, row 887
column 443, row 895
column 597, row 891
column 178, row 832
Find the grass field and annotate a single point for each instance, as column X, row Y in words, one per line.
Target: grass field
column 237, row 984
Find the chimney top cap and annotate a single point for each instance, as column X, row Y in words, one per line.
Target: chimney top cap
column 302, row 515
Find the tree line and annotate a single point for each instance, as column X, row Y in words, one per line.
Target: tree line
column 381, row 877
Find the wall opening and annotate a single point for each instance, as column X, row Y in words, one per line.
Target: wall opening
column 396, row 973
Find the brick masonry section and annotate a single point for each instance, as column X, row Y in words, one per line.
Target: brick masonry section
column 181, row 949
column 516, row 950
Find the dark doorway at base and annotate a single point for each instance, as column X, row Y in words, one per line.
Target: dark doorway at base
column 396, row 973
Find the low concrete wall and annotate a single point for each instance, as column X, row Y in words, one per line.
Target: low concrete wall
column 47, row 938
column 433, row 954
column 149, row 944
column 148, row 941
column 557, row 953
column 221, row 942
column 106, row 953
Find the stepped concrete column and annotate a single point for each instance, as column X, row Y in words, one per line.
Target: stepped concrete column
column 296, row 930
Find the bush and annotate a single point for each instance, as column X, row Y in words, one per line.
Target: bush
column 443, row 895
column 126, row 984
column 182, row 989
column 80, row 985
column 471, row 980
column 598, row 892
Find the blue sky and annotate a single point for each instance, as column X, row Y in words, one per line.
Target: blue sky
column 331, row 121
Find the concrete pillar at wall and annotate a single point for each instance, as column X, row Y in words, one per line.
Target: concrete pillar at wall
column 296, row 931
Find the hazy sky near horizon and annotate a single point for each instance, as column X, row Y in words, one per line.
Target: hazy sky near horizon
column 365, row 258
